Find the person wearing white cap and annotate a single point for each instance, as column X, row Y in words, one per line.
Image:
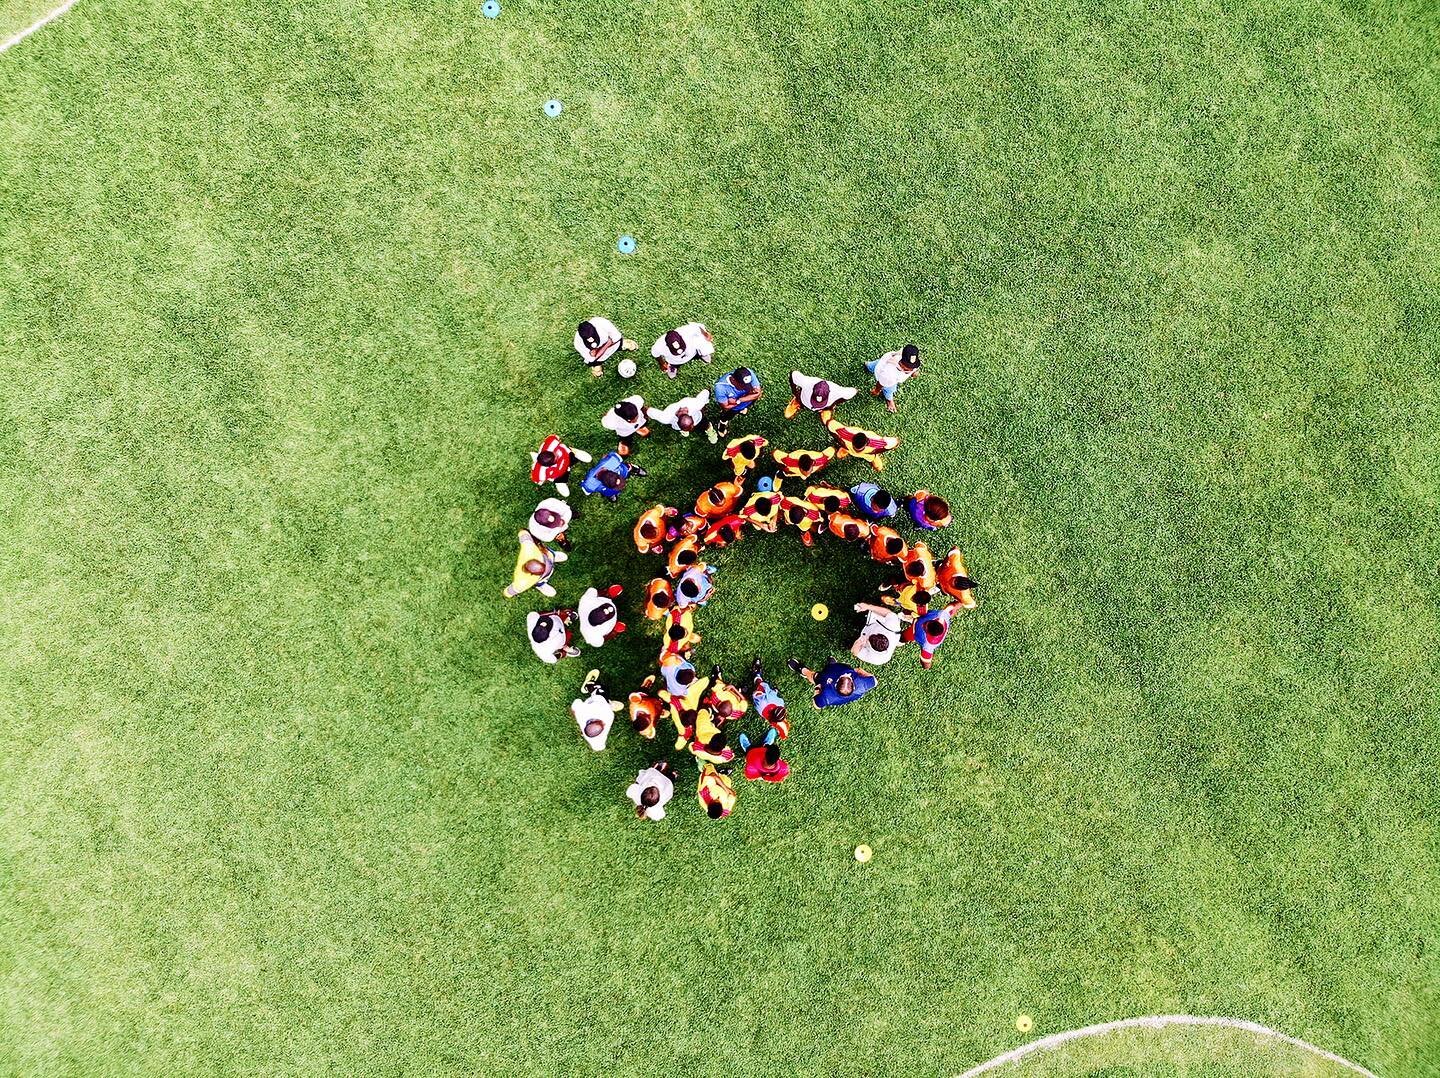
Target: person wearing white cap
column 549, row 521
column 880, row 636
column 594, row 712
column 597, row 339
column 627, row 421
column 680, row 345
column 652, row 790
column 599, row 620
column 816, row 394
column 687, row 415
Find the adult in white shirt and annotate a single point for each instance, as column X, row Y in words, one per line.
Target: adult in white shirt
column 687, row 415
column 594, row 712
column 597, row 339
column 549, row 522
column 598, row 617
column 891, row 371
column 880, row 637
column 627, row 421
column 682, row 344
column 652, row 790
column 816, row 394
column 549, row 634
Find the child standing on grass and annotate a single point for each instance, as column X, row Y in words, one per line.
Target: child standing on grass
column 534, row 566
column 769, row 704
column 715, row 792
column 594, row 712
column 652, row 790
column 597, row 339
column 552, row 462
column 891, row 371
column 549, row 634
column 609, row 476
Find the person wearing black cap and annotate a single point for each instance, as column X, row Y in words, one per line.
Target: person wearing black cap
column 597, row 339
column 891, row 371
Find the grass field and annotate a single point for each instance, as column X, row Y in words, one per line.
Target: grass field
column 286, row 294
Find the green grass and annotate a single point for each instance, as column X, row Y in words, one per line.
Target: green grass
column 285, row 296
column 1175, row 1053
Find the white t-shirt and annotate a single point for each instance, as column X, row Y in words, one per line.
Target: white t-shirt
column 698, row 345
column 888, row 371
column 610, row 341
column 594, row 708
column 807, row 392
column 670, row 416
column 552, row 644
column 593, row 603
column 548, row 533
column 884, row 624
column 652, row 776
column 614, row 421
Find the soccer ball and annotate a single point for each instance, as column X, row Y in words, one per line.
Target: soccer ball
column 626, row 367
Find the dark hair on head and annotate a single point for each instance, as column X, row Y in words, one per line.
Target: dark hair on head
column 894, row 544
column 662, row 598
column 674, row 342
column 688, row 556
column 772, row 755
column 540, row 632
column 748, row 449
column 593, row 728
column 649, row 529
column 650, row 796
column 677, row 632
column 803, row 461
column 601, row 614
column 934, row 630
column 610, row 478
column 850, row 530
column 685, row 675
column 882, row 501
column 714, row 810
column 859, row 439
column 846, row 684
column 909, row 356
column 936, row 507
column 689, row 588
column 588, row 333
column 627, row 411
column 534, row 567
column 548, row 518
column 545, row 457
column 685, row 421
column 879, row 642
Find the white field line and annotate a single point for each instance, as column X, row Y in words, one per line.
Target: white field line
column 44, row 20
column 1156, row 1021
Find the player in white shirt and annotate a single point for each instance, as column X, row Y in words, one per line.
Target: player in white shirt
column 549, row 521
column 687, row 415
column 881, row 635
column 627, row 421
column 652, row 790
column 599, row 620
column 816, row 394
column 891, row 371
column 549, row 634
column 594, row 712
column 597, row 339
column 682, row 344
